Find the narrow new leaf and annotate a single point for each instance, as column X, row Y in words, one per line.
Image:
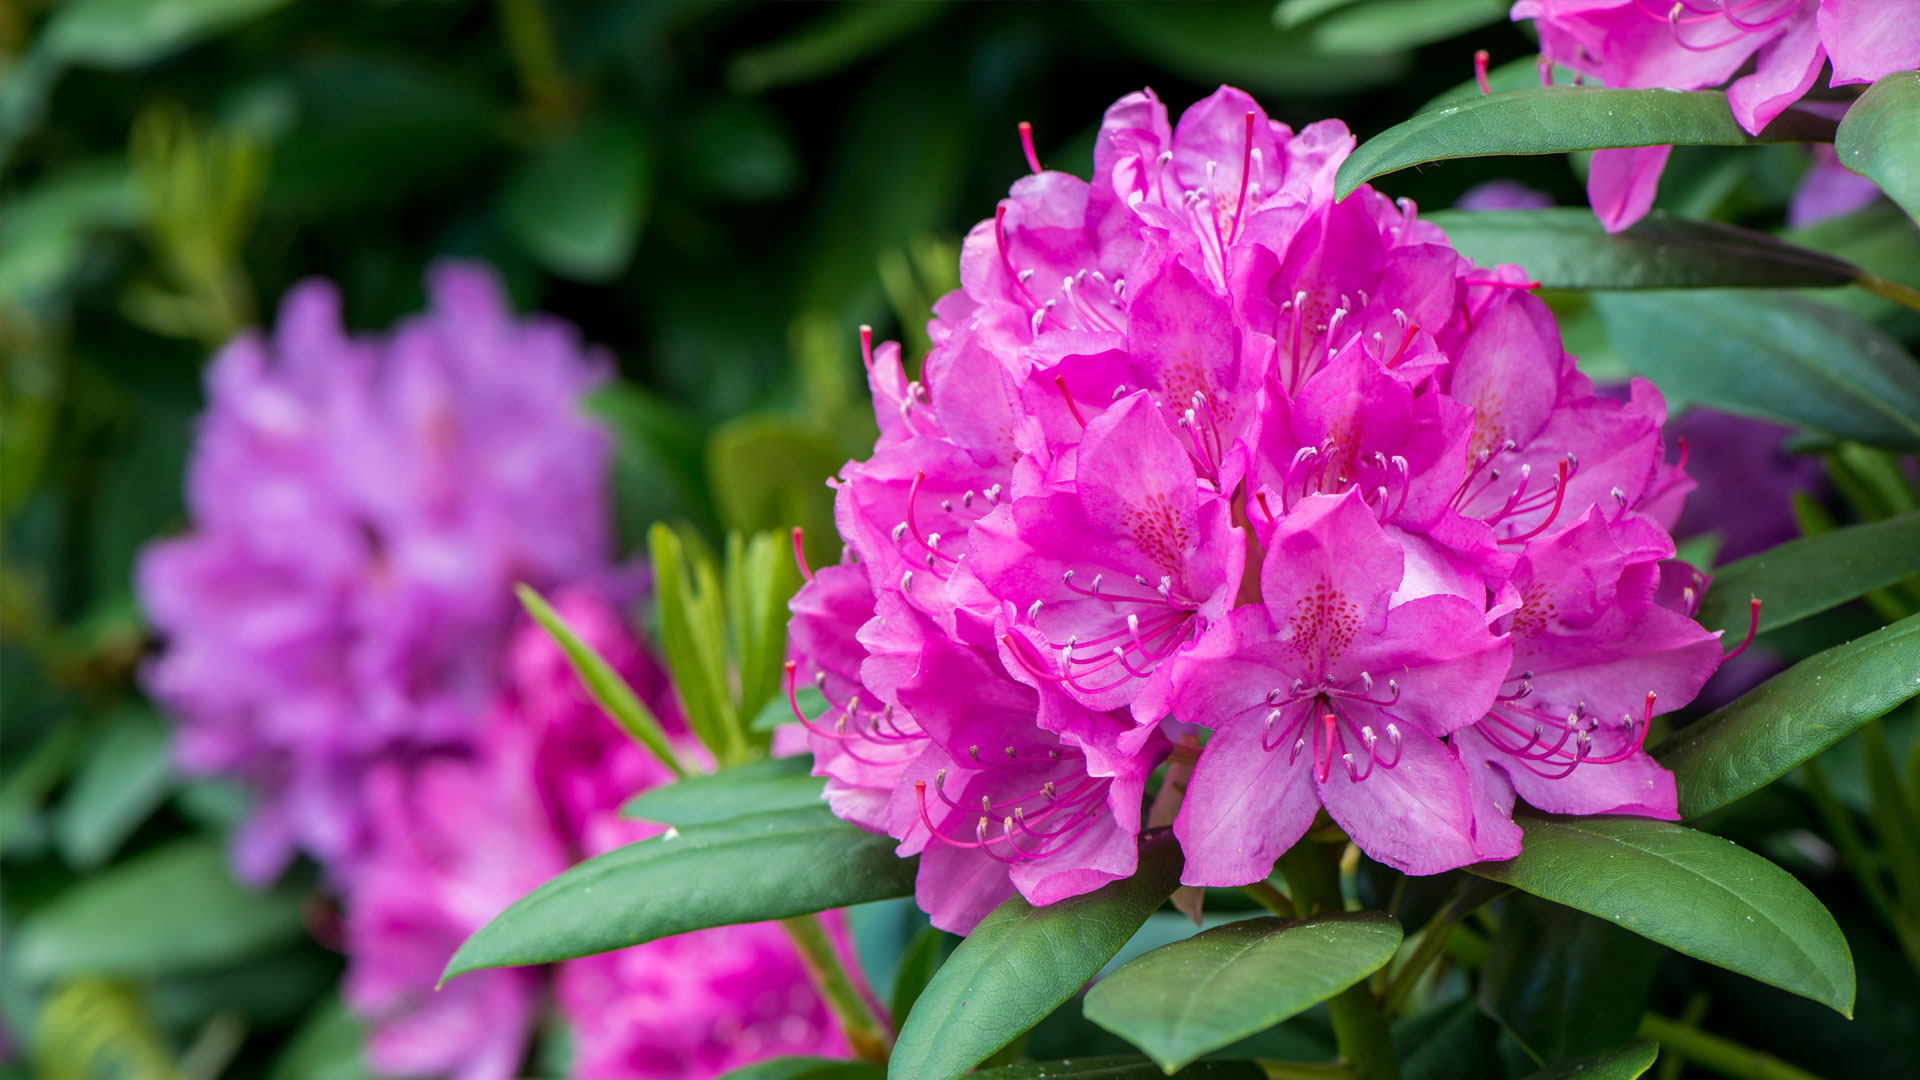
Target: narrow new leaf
column 1567, row 248
column 1746, row 745
column 1812, row 574
column 604, row 683
column 1558, row 119
column 749, row 869
column 1626, row 1063
column 753, row 788
column 1213, row 989
column 1021, row 962
column 1690, row 891
column 1772, row 355
column 1880, row 138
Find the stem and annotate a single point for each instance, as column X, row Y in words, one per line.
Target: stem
column 1859, row 859
column 1271, row 898
column 1467, row 897
column 864, row 1030
column 1673, row 1065
column 1359, row 1028
column 1904, row 295
column 1711, row 1052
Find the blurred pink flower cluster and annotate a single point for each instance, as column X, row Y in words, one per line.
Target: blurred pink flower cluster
column 341, row 636
column 1198, row 448
column 1771, row 50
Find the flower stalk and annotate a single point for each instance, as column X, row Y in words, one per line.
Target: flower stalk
column 1359, row 1027
column 865, row 1033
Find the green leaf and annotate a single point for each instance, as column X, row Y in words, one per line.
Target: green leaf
column 835, row 40
column 693, row 635
column 1125, row 1067
column 1880, row 138
column 1567, row 248
column 605, row 684
column 1564, row 984
column 1237, row 43
column 576, row 207
column 917, row 965
column 326, row 1046
column 1558, row 119
column 756, row 787
column 171, row 909
column 1747, row 744
column 122, row 781
column 659, row 460
column 1772, row 355
column 1812, row 574
column 808, row 1068
column 129, row 33
column 1213, row 989
column 1382, row 27
column 749, row 869
column 1690, row 891
column 761, row 576
column 1626, row 1063
column 1021, row 963
column 770, row 472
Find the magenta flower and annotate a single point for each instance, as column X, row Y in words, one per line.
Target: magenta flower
column 361, row 509
column 1697, row 44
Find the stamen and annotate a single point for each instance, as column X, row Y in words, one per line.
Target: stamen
column 1061, row 382
column 800, row 555
column 1753, row 627
column 1480, row 58
column 1026, row 144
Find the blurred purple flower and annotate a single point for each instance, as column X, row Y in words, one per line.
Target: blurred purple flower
column 1747, row 482
column 1503, row 194
column 1829, row 189
column 361, row 507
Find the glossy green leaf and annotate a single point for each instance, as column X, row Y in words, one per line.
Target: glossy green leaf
column 1382, row 27
column 1567, row 248
column 1564, row 984
column 1749, row 743
column 1880, row 137
column 1812, row 574
column 1520, row 74
column 1121, row 1068
column 1626, row 1063
column 1771, row 355
column 756, row 787
column 605, row 684
column 128, row 33
column 175, row 908
column 123, row 780
column 922, row 958
column 1021, row 963
column 576, row 207
column 1690, row 891
column 749, row 869
column 807, row 1068
column 1221, row 985
column 1558, row 119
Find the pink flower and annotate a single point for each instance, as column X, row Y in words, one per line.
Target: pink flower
column 1696, row 44
column 1199, row 450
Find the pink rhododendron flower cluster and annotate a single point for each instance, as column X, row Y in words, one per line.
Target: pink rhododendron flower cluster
column 1198, row 449
column 1698, row 44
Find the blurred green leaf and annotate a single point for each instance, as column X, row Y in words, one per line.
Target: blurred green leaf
column 1555, row 120
column 129, row 33
column 1626, row 1063
column 171, row 909
column 841, row 37
column 124, row 779
column 1880, row 137
column 755, row 787
column 1022, row 962
column 1690, row 891
column 739, row 150
column 1236, row 42
column 1121, row 1068
column 44, row 228
column 1565, row 985
column 603, row 682
column 778, row 712
column 767, row 472
column 94, row 1028
column 922, row 958
column 1288, row 14
column 1812, row 574
column 749, row 869
column 1879, row 240
column 1566, row 248
column 1771, row 355
column 1382, row 27
column 577, row 205
column 325, row 1047
column 1746, row 745
column 1213, row 989
column 693, row 633
column 760, row 578
column 28, row 782
column 806, row 1068
column 659, row 460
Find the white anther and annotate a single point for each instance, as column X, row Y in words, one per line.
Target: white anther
column 906, row 581
column 899, row 531
column 1033, row 612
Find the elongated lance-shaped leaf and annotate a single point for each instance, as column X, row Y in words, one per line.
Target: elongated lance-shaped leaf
column 1021, row 962
column 1213, row 989
column 1772, row 355
column 1627, row 1063
column 748, row 869
column 761, row 578
column 1558, row 119
column 1810, row 575
column 753, row 788
column 604, row 683
column 1690, row 891
column 1568, row 248
column 1880, row 138
column 693, row 635
column 1747, row 744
